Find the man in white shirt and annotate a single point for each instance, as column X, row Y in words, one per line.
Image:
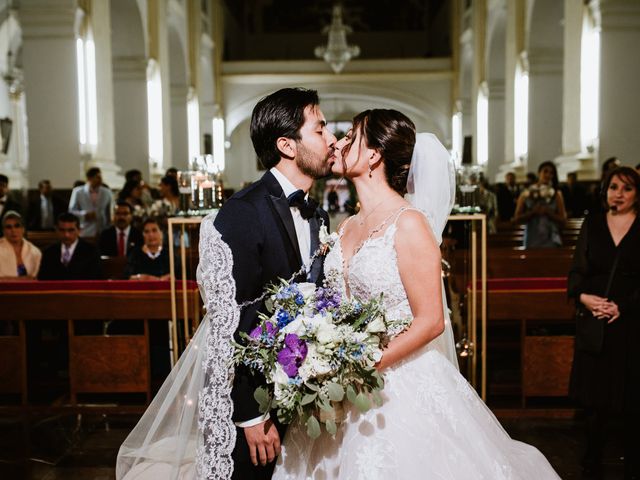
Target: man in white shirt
column 91, row 203
column 272, row 230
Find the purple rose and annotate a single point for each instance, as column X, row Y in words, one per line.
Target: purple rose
column 270, row 331
column 292, row 355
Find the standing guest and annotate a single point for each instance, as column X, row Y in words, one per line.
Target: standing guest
column 575, row 197
column 44, row 210
column 531, row 179
column 171, row 172
column 541, row 207
column 605, row 282
column 149, row 261
column 170, row 201
column 91, row 203
column 508, row 194
column 19, row 258
column 6, row 204
column 136, row 175
column 119, row 239
column 488, row 202
column 72, row 258
column 132, row 194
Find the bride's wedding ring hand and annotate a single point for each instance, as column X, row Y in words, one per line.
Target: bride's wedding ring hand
column 264, row 442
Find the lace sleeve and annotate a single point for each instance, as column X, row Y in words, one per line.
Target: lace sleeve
column 217, row 431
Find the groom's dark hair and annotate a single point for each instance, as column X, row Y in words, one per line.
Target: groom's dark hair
column 280, row 114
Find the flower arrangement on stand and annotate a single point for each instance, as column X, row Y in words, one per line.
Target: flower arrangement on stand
column 316, row 349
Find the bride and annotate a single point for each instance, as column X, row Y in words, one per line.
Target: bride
column 432, row 424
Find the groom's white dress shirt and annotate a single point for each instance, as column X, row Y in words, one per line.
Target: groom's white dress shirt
column 303, row 233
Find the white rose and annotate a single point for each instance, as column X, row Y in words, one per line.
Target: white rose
column 327, row 333
column 280, row 377
column 376, row 326
column 297, row 326
column 307, row 289
column 323, row 235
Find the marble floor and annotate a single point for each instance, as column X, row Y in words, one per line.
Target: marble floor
column 70, row 447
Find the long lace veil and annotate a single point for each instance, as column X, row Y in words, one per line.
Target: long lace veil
column 187, row 431
column 431, row 187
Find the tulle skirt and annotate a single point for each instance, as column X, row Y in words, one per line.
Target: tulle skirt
column 432, row 425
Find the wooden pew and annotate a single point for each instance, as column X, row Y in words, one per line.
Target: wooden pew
column 97, row 363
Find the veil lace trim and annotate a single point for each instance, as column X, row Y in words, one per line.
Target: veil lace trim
column 215, row 408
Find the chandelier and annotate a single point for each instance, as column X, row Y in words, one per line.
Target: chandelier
column 337, row 52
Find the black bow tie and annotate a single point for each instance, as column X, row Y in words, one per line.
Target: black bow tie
column 307, row 207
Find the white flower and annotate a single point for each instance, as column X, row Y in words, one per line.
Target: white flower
column 376, row 326
column 307, row 289
column 297, row 326
column 279, row 376
column 315, row 364
column 327, row 333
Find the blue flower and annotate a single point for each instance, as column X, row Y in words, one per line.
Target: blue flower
column 283, row 318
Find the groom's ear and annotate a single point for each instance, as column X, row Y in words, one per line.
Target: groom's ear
column 286, row 147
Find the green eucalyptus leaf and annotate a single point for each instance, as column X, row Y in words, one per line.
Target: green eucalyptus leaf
column 331, row 427
column 335, row 391
column 362, row 402
column 262, row 397
column 313, row 427
column 308, row 398
column 351, row 394
column 326, row 406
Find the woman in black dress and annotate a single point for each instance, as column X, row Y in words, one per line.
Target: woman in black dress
column 608, row 382
column 151, row 260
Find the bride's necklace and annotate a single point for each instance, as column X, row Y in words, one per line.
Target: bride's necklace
column 363, row 219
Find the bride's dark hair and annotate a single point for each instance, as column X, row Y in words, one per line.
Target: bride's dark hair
column 393, row 135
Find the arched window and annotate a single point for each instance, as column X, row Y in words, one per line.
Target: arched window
column 521, row 114
column 482, row 124
column 87, row 94
column 154, row 116
column 589, row 82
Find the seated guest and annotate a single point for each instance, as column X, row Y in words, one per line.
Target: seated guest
column 19, row 258
column 119, row 239
column 91, row 203
column 72, row 258
column 6, row 203
column 151, row 260
column 170, row 201
column 44, row 210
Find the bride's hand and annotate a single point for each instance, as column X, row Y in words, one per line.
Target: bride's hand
column 264, row 442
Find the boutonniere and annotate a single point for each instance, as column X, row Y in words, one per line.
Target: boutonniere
column 327, row 240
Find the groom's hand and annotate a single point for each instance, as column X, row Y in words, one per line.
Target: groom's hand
column 264, row 442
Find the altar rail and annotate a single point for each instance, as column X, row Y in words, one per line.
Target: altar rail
column 98, row 364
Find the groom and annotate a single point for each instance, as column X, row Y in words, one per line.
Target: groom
column 272, row 229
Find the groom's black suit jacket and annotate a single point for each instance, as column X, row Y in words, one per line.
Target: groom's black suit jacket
column 257, row 225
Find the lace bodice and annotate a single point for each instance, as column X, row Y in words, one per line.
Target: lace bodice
column 372, row 270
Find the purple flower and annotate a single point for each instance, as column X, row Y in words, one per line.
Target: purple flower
column 292, row 355
column 270, row 331
column 327, row 299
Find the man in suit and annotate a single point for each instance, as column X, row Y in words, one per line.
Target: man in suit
column 119, row 239
column 91, row 203
column 44, row 210
column 272, row 229
column 508, row 194
column 72, row 258
column 7, row 204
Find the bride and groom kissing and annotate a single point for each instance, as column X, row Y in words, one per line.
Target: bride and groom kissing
column 431, row 423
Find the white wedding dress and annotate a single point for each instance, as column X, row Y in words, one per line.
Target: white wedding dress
column 432, row 424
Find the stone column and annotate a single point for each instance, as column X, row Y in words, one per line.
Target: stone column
column 572, row 157
column 514, row 47
column 619, row 73
column 104, row 156
column 49, row 63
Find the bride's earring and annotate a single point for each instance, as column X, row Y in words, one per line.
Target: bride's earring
column 370, row 170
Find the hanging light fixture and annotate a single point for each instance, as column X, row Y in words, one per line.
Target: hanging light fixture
column 337, row 52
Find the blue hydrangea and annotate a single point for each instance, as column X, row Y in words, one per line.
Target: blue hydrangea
column 283, row 318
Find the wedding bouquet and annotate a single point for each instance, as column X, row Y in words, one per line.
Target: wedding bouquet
column 316, row 350
column 540, row 193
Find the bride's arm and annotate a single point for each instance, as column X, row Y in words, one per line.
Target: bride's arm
column 420, row 271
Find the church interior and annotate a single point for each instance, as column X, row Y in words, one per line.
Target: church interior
column 142, row 109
